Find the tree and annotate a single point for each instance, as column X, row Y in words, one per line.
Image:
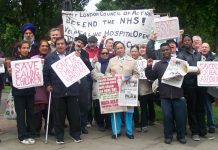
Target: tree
column 196, row 18
column 44, row 14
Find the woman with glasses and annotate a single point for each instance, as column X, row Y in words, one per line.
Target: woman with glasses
column 102, row 120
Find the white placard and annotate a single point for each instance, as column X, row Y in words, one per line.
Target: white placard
column 27, row 73
column 70, row 69
column 129, row 26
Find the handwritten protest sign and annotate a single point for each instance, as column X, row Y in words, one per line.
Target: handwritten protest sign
column 129, row 26
column 208, row 73
column 27, row 73
column 141, row 65
column 172, row 75
column 166, row 27
column 108, row 92
column 70, row 69
column 128, row 95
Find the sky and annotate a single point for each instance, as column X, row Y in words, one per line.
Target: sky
column 91, row 5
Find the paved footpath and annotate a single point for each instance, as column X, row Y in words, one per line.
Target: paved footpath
column 97, row 140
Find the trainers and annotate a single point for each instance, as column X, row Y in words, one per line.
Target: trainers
column 88, row 125
column 138, row 129
column 144, row 129
column 77, row 140
column 25, row 141
column 32, row 141
column 195, row 137
column 209, row 137
column 130, row 136
column 60, row 142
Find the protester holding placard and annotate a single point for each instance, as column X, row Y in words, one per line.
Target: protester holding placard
column 54, row 33
column 126, row 66
column 92, row 49
column 64, row 99
column 102, row 120
column 41, row 96
column 207, row 55
column 172, row 100
column 24, row 102
column 195, row 95
column 145, row 98
column 85, row 83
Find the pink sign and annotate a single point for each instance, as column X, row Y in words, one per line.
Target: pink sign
column 70, row 69
column 166, row 27
column 109, row 91
column 208, row 73
column 27, row 73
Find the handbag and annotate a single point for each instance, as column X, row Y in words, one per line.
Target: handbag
column 10, row 112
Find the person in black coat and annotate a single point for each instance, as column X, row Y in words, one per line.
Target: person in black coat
column 64, row 99
column 24, row 102
column 85, row 83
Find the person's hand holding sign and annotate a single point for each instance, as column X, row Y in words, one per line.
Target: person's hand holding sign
column 149, row 62
column 77, row 53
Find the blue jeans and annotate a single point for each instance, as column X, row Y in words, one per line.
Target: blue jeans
column 210, row 114
column 174, row 110
column 128, row 123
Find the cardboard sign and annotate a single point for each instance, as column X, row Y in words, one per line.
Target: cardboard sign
column 70, row 69
column 129, row 26
column 27, row 73
column 2, row 66
column 166, row 27
column 108, row 92
column 208, row 73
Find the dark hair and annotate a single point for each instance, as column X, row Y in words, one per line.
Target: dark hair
column 164, row 44
column 61, row 38
column 41, row 41
column 20, row 44
column 134, row 46
column 109, row 39
column 118, row 42
column 188, row 35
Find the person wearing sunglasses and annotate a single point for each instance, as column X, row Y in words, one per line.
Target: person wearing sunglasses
column 102, row 120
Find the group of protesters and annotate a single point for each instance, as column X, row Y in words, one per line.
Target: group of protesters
column 80, row 102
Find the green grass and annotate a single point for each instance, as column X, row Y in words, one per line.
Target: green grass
column 159, row 115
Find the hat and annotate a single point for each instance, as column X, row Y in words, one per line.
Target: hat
column 172, row 41
column 82, row 37
column 28, row 26
column 92, row 39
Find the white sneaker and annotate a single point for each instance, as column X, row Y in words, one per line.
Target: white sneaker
column 31, row 141
column 25, row 141
column 59, row 142
column 145, row 129
column 196, row 137
column 88, row 125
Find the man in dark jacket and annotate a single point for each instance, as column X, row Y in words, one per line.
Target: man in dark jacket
column 65, row 100
column 84, row 86
column 195, row 95
column 172, row 100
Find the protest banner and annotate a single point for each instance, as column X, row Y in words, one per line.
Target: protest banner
column 128, row 95
column 27, row 73
column 172, row 76
column 108, row 92
column 166, row 27
column 208, row 73
column 129, row 26
column 141, row 65
column 70, row 69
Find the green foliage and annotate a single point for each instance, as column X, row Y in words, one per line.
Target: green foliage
column 196, row 18
column 44, row 14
